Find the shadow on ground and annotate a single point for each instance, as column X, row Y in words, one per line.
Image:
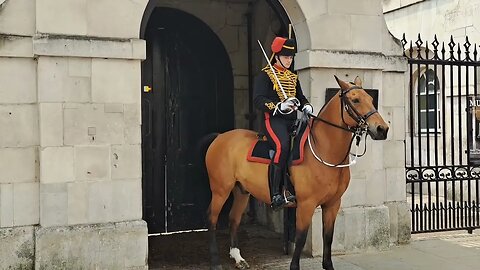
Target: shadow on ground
column 258, row 246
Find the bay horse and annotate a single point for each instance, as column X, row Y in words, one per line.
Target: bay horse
column 316, row 184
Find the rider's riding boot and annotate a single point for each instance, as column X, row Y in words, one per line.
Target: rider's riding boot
column 275, row 176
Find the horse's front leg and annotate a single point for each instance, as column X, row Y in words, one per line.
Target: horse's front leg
column 304, row 218
column 329, row 214
column 240, row 202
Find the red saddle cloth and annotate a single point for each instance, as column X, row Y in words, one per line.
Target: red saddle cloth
column 259, row 151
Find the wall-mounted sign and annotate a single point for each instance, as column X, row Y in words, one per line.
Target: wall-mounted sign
column 372, row 92
column 473, row 127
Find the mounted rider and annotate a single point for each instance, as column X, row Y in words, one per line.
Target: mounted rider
column 277, row 92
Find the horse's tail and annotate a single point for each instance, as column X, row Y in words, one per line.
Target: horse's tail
column 202, row 147
column 204, row 143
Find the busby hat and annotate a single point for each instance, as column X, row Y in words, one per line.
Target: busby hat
column 284, row 46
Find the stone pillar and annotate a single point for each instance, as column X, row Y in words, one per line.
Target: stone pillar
column 19, row 136
column 349, row 39
column 88, row 88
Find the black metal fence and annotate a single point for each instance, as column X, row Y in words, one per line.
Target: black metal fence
column 443, row 141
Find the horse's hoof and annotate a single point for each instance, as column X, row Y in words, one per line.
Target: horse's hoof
column 328, row 266
column 294, row 267
column 216, row 267
column 242, row 265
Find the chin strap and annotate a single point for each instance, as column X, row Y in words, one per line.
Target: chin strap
column 281, row 63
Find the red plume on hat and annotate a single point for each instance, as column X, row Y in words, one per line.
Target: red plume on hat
column 277, row 44
column 284, row 46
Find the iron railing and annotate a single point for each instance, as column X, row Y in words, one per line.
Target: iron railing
column 443, row 140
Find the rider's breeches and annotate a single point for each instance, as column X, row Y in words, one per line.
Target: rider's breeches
column 278, row 133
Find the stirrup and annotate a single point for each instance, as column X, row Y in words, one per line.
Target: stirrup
column 290, row 199
column 278, row 202
column 287, row 200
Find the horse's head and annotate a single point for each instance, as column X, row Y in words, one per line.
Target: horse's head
column 360, row 109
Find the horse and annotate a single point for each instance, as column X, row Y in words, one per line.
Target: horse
column 316, row 181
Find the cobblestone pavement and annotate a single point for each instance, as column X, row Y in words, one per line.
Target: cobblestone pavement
column 263, row 250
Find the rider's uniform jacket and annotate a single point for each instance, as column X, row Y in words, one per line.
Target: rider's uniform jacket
column 267, row 92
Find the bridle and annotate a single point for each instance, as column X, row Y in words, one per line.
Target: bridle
column 346, row 105
column 358, row 131
column 361, row 120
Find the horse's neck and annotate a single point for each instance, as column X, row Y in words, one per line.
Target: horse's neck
column 332, row 143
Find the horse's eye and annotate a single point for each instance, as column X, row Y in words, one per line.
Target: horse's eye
column 356, row 100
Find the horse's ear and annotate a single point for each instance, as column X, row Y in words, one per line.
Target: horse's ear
column 358, row 81
column 343, row 85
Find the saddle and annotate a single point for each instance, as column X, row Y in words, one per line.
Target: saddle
column 261, row 150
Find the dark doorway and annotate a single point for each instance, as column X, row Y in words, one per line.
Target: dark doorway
column 190, row 76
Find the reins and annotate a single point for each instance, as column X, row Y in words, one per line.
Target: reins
column 358, row 131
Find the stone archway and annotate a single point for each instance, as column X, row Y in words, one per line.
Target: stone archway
column 243, row 22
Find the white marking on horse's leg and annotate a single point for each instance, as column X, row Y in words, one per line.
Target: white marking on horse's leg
column 235, row 254
column 240, row 262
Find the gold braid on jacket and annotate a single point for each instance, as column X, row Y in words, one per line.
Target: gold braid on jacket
column 288, row 80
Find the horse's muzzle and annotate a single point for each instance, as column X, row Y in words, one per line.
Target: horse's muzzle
column 378, row 133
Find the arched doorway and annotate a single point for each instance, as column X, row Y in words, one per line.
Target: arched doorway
column 188, row 93
column 238, row 26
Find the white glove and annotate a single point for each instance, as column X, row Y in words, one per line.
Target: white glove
column 307, row 108
column 287, row 106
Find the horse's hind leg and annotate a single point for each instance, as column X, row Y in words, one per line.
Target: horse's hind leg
column 329, row 214
column 240, row 202
column 218, row 199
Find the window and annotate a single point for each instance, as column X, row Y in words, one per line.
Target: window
column 428, row 99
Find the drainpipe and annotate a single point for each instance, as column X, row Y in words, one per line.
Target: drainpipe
column 251, row 111
column 252, row 210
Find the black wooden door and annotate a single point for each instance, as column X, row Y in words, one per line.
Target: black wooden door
column 191, row 96
column 153, row 135
column 188, row 100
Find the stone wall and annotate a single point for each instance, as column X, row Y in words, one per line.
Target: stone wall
column 435, row 17
column 71, row 146
column 19, row 167
column 92, row 246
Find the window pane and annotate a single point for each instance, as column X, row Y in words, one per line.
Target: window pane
column 431, row 101
column 431, row 120
column 422, row 100
column 432, row 81
column 428, row 99
column 422, row 84
column 423, row 120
